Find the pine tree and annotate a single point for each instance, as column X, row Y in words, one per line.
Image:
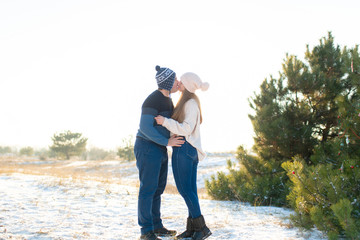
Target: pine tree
column 326, row 194
column 68, row 144
column 307, row 152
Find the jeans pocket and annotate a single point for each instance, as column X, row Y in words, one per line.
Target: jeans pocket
column 191, row 151
column 141, row 147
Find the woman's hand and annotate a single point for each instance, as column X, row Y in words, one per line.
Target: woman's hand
column 159, row 119
column 176, row 141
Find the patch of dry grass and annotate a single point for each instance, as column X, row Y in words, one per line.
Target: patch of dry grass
column 67, row 171
column 60, row 169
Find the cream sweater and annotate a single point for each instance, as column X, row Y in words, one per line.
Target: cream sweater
column 189, row 128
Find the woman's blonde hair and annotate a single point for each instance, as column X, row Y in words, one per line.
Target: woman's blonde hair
column 179, row 113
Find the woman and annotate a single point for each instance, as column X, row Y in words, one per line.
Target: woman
column 185, row 121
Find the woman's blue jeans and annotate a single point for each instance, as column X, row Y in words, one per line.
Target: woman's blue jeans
column 152, row 162
column 184, row 163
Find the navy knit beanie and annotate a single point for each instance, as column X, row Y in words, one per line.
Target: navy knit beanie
column 165, row 78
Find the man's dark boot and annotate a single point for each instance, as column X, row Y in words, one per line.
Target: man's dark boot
column 189, row 230
column 149, row 236
column 201, row 231
column 163, row 232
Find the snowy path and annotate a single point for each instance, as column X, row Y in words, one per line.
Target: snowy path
column 39, row 207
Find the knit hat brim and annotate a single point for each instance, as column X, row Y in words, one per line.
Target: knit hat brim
column 192, row 82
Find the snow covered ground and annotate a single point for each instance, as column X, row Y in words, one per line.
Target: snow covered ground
column 48, row 206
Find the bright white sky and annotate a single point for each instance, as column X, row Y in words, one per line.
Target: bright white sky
column 87, row 66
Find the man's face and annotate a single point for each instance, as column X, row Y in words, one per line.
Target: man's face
column 175, row 87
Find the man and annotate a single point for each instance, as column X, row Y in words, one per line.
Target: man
column 151, row 154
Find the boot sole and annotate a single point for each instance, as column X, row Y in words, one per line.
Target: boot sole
column 207, row 235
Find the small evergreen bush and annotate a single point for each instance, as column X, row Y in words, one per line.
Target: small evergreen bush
column 257, row 182
column 326, row 195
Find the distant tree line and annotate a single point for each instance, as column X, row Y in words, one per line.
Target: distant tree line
column 25, row 151
column 67, row 144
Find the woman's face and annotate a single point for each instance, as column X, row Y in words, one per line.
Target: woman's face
column 181, row 87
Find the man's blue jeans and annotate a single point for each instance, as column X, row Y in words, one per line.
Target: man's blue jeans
column 152, row 162
column 184, row 163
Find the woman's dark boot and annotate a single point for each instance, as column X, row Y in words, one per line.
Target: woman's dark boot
column 189, row 230
column 201, row 231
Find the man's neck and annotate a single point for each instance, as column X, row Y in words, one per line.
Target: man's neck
column 166, row 93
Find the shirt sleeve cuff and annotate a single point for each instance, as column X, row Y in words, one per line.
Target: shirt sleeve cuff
column 166, row 122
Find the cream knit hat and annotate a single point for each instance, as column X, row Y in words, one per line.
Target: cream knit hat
column 192, row 82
